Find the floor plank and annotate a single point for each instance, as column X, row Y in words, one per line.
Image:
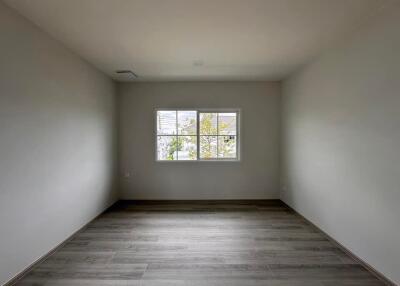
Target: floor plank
column 200, row 244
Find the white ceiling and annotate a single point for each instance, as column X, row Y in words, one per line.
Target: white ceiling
column 198, row 39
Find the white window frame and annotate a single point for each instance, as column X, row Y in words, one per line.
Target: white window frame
column 198, row 111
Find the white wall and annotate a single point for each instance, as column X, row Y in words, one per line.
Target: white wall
column 255, row 177
column 56, row 143
column 341, row 143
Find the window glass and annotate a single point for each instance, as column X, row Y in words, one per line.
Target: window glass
column 187, row 135
column 166, row 122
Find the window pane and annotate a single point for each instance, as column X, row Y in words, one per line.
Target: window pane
column 187, row 148
column 208, row 147
column 208, row 123
column 166, row 122
column 166, row 148
column 227, row 146
column 187, row 122
column 226, row 123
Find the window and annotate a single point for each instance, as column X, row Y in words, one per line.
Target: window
column 197, row 135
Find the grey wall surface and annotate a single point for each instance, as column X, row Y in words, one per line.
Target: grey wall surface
column 254, row 177
column 341, row 139
column 57, row 143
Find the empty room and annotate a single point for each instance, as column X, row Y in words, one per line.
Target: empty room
column 200, row 142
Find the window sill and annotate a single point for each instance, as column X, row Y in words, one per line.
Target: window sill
column 199, row 161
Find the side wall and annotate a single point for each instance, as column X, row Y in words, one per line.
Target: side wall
column 341, row 143
column 57, row 143
column 255, row 177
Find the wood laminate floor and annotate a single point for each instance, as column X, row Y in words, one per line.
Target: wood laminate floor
column 200, row 244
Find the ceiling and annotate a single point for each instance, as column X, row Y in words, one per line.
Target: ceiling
column 178, row 40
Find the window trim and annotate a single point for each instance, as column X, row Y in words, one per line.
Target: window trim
column 238, row 112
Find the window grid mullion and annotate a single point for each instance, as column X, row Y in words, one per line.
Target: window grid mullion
column 198, row 133
column 176, row 131
column 217, row 135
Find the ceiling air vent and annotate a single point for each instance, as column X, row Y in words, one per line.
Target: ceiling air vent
column 127, row 73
